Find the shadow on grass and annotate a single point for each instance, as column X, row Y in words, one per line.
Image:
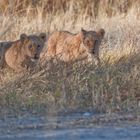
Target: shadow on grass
column 58, row 87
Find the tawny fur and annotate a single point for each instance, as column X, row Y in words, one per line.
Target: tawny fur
column 69, row 47
column 4, row 46
column 24, row 52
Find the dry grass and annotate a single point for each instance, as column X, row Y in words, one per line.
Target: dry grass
column 114, row 86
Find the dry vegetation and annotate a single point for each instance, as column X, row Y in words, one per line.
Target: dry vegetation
column 113, row 86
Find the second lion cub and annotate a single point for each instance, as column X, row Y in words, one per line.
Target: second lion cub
column 68, row 47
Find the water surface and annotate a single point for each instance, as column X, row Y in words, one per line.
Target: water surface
column 75, row 126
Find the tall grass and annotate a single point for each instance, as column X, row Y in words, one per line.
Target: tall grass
column 91, row 8
column 114, row 86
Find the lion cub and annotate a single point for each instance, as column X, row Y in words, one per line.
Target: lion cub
column 21, row 54
column 68, row 47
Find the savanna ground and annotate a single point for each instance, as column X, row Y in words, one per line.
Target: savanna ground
column 112, row 87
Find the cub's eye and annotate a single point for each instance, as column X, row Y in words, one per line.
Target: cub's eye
column 30, row 46
column 38, row 46
column 87, row 42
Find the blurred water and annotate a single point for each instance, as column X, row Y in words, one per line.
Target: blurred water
column 69, row 127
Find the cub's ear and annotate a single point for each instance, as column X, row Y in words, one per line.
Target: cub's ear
column 101, row 33
column 23, row 37
column 43, row 36
column 83, row 33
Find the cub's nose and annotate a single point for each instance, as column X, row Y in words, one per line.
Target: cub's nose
column 36, row 56
column 93, row 51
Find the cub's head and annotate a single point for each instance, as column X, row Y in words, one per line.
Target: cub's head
column 32, row 45
column 92, row 40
